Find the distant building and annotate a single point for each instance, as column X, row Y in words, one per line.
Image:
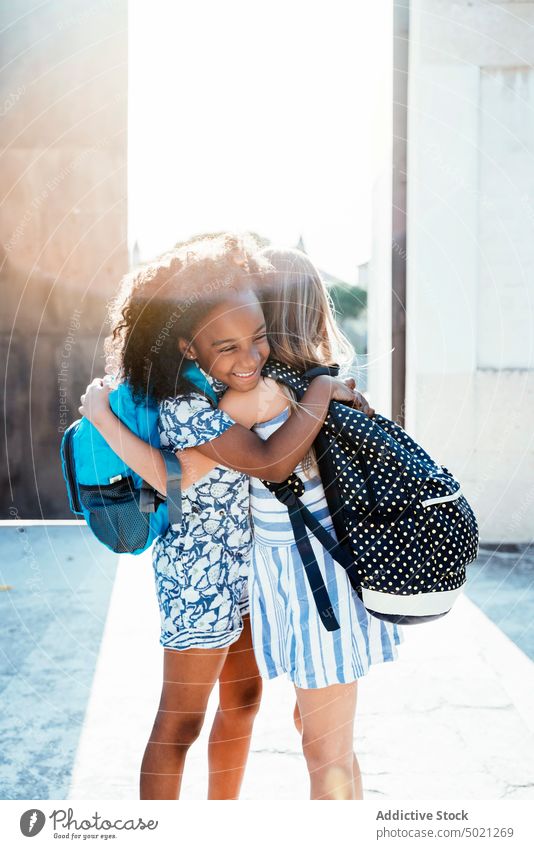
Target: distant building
column 363, row 276
column 135, row 257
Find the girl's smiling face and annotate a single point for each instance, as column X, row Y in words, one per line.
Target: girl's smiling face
column 231, row 342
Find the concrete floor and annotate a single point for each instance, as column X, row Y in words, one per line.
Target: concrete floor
column 452, row 718
column 501, row 583
column 80, row 673
column 57, row 582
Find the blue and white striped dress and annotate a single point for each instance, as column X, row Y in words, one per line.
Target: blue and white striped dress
column 287, row 632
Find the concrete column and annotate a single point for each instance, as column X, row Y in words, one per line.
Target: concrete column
column 470, row 393
column 379, row 270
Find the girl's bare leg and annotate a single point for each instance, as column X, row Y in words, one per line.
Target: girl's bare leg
column 188, row 679
column 327, row 719
column 356, row 773
column 239, row 700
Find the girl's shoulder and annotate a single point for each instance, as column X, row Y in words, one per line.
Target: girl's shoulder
column 262, row 403
column 189, row 420
column 185, row 404
column 272, row 399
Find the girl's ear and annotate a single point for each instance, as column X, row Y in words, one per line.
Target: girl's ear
column 187, row 349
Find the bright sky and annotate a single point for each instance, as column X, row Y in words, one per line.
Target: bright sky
column 257, row 116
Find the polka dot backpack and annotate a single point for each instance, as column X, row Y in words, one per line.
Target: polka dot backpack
column 405, row 532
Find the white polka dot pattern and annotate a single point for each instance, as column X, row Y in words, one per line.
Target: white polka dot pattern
column 377, row 481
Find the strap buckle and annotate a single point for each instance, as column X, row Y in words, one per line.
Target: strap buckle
column 147, row 499
column 287, row 497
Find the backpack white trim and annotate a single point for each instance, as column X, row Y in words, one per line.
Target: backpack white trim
column 422, row 604
column 441, row 499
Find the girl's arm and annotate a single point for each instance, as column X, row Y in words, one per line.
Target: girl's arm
column 237, row 448
column 143, row 458
column 263, row 402
column 275, row 458
column 266, row 400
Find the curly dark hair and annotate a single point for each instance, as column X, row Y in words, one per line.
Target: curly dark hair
column 166, row 299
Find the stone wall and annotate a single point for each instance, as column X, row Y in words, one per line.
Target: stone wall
column 63, row 227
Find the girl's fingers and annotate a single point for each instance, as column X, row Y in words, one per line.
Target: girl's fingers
column 362, row 404
column 99, row 382
column 367, row 410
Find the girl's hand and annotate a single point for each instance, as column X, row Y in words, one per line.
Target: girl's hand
column 95, row 401
column 363, row 402
column 344, row 391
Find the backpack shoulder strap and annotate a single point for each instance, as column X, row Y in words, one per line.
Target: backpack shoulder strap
column 287, row 375
column 333, row 371
column 311, row 567
column 198, row 380
column 301, row 519
column 149, row 499
column 296, row 380
column 174, row 487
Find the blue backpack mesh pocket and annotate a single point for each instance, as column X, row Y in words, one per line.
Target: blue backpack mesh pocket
column 114, row 514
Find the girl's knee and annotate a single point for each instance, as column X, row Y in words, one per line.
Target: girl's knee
column 325, row 751
column 177, row 729
column 243, row 702
column 248, row 702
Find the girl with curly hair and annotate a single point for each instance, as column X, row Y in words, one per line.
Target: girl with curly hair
column 197, row 303
column 288, row 636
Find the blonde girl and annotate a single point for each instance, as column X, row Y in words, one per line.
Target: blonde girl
column 288, row 636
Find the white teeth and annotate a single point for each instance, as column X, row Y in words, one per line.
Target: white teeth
column 245, row 374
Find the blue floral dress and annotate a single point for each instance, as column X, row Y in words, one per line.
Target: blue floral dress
column 201, row 568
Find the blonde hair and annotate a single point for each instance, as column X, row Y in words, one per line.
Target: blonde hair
column 300, row 314
column 300, row 318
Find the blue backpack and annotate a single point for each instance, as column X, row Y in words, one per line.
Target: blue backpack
column 122, row 510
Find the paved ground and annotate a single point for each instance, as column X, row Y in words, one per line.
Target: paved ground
column 452, row 718
column 56, row 585
column 501, row 583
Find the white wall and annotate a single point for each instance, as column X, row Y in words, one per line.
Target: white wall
column 470, row 298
